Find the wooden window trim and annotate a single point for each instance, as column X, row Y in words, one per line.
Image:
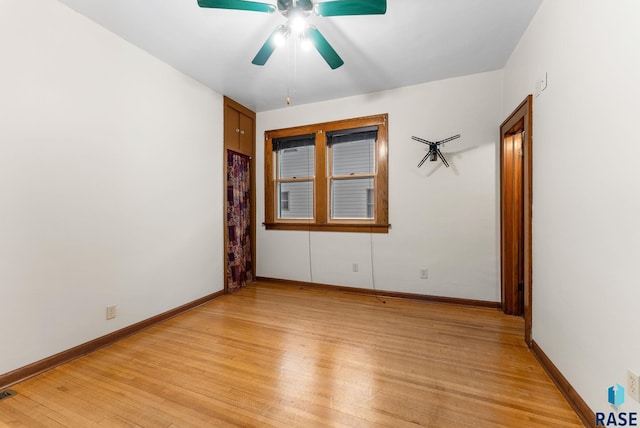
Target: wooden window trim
column 321, row 220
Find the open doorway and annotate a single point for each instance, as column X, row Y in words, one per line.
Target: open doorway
column 515, row 213
column 239, row 221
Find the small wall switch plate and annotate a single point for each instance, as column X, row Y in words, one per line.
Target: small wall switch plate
column 355, row 267
column 111, row 312
column 541, row 84
column 633, row 385
column 424, row 273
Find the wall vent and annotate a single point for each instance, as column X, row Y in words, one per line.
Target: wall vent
column 7, row 393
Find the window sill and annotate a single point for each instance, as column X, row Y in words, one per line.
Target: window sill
column 330, row 227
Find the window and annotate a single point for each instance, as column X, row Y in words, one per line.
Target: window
column 352, row 171
column 295, row 170
column 329, row 176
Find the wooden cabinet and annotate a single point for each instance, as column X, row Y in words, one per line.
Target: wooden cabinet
column 239, row 128
column 239, row 136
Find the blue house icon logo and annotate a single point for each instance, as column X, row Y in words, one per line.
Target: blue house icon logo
column 616, row 418
column 616, row 395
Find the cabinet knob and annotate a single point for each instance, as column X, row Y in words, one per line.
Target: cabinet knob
column 237, row 129
column 242, row 132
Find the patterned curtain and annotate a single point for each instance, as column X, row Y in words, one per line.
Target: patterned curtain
column 238, row 221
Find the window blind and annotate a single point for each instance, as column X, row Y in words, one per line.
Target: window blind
column 293, row 142
column 351, row 135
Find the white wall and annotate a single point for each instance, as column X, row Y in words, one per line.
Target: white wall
column 442, row 219
column 586, row 188
column 110, row 183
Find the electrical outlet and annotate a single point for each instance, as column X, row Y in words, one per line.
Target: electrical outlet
column 355, row 267
column 633, row 385
column 424, row 273
column 111, row 312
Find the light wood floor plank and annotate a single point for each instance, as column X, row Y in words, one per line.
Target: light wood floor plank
column 281, row 356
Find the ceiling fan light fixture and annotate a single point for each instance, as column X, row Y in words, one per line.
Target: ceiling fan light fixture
column 297, row 24
column 305, row 43
column 296, row 12
column 281, row 36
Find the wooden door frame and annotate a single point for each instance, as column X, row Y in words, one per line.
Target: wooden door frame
column 228, row 102
column 523, row 113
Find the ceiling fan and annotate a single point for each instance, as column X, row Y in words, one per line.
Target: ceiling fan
column 296, row 12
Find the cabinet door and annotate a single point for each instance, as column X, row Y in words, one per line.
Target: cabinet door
column 246, row 135
column 231, row 128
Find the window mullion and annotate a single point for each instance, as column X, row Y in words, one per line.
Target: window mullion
column 321, row 197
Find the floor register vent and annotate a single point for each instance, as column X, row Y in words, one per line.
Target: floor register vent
column 7, row 393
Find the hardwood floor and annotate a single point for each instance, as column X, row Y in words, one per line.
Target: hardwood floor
column 274, row 355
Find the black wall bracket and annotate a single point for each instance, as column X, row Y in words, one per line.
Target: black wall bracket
column 434, row 149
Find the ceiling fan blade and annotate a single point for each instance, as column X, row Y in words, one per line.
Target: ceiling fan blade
column 351, row 7
column 324, row 48
column 267, row 48
column 237, row 5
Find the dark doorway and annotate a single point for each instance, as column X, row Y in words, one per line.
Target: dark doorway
column 516, row 213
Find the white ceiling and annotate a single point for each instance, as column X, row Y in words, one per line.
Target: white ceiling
column 416, row 41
